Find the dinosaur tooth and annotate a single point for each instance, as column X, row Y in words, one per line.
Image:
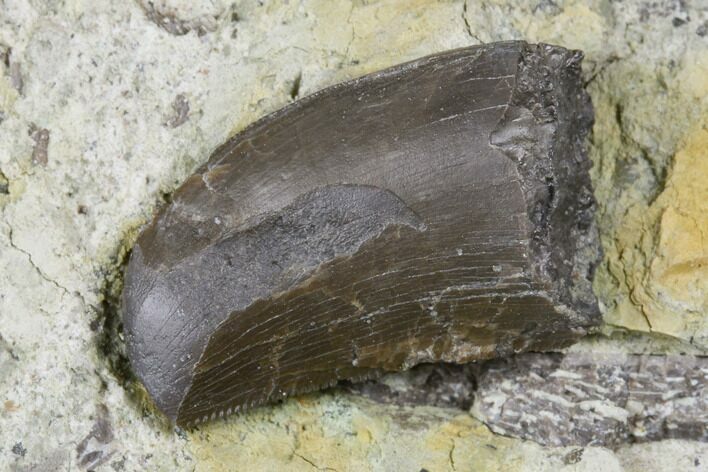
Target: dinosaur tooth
column 438, row 210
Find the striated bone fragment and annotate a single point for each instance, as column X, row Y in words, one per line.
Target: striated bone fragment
column 439, row 210
column 595, row 398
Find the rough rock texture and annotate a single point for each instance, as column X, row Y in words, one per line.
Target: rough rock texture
column 341, row 432
column 437, row 210
column 103, row 78
column 651, row 63
column 594, row 398
column 666, row 268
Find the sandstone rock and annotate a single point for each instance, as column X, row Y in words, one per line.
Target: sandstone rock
column 342, row 432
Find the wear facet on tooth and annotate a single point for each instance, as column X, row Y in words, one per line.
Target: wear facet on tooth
column 456, row 184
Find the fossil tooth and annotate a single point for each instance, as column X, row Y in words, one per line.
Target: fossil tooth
column 437, row 210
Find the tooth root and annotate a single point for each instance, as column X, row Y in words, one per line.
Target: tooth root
column 324, row 233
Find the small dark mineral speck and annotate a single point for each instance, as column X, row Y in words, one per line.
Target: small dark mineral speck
column 295, row 87
column 678, row 22
column 91, row 451
column 181, row 111
column 40, row 136
column 19, row 449
column 574, row 456
column 119, row 464
column 95, row 324
column 702, row 30
column 4, row 185
column 182, row 434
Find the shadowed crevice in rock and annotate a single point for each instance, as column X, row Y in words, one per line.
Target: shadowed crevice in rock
column 440, row 384
column 108, row 323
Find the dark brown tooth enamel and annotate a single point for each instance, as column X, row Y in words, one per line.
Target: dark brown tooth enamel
column 437, row 210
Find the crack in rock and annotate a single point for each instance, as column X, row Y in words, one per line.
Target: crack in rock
column 41, row 273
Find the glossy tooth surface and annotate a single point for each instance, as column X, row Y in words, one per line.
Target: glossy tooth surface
column 437, row 210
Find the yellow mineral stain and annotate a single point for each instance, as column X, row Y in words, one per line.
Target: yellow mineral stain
column 343, row 432
column 679, row 270
column 661, row 251
column 301, row 434
column 10, row 406
column 261, row 440
column 8, row 94
column 576, row 27
column 693, row 76
column 463, row 443
column 384, row 33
